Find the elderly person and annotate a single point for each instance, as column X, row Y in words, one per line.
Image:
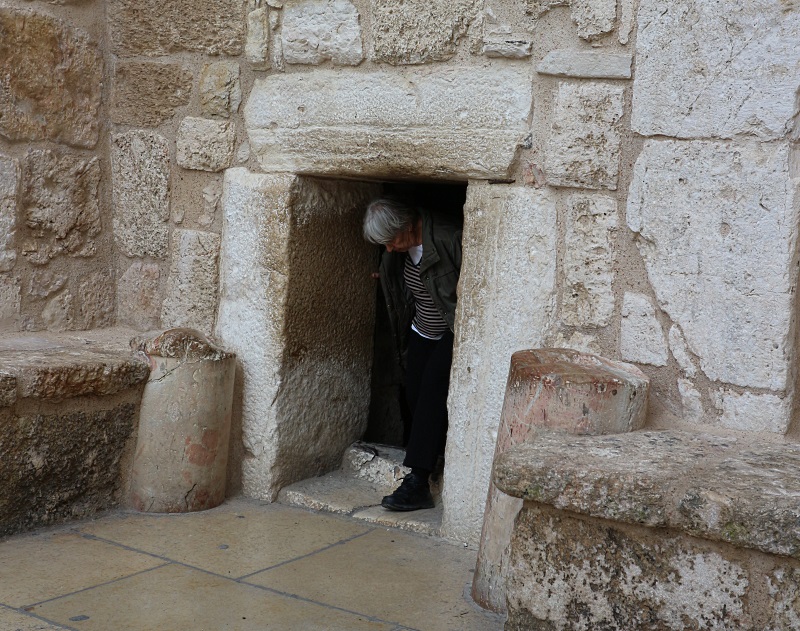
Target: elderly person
column 419, row 274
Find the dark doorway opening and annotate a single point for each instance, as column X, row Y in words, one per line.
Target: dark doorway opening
column 387, row 409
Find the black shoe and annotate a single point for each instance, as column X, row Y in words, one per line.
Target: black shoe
column 413, row 494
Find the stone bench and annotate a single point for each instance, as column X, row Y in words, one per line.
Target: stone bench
column 68, row 412
column 653, row 530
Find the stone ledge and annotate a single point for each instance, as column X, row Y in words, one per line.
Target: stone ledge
column 715, row 488
column 56, row 367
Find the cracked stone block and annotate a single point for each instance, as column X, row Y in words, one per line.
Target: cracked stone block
column 163, row 27
column 584, row 143
column 191, row 298
column 59, row 201
column 588, row 263
column 586, row 64
column 53, row 76
column 220, row 92
column 320, row 30
column 146, row 94
column 716, row 70
column 9, row 182
column 641, row 337
column 256, row 47
column 708, row 216
column 140, row 183
column 753, row 412
column 419, row 31
column 499, row 43
column 138, row 299
column 205, row 145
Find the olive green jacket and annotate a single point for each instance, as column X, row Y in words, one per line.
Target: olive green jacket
column 439, row 267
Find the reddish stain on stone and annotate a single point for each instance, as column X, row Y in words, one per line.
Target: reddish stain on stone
column 210, row 439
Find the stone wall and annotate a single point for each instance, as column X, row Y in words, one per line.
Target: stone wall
column 631, row 167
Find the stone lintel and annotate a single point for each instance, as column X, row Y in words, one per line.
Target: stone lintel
column 585, row 65
column 712, row 487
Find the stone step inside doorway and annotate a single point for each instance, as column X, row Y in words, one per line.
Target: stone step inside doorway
column 368, row 472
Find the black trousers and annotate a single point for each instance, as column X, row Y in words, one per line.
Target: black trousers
column 427, row 382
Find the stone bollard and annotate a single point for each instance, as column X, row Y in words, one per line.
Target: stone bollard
column 182, row 448
column 556, row 389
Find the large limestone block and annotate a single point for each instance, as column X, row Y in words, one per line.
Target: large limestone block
column 717, row 227
column 146, row 93
column 446, row 122
column 507, row 302
column 716, row 69
column 588, row 262
column 60, row 204
column 138, row 300
column 52, row 79
column 191, row 299
column 584, row 142
column 641, row 336
column 419, row 31
column 314, row 31
column 305, row 360
column 570, row 573
column 140, row 183
column 162, row 27
column 9, row 183
column 205, row 145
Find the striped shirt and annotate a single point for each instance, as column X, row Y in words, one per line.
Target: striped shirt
column 428, row 322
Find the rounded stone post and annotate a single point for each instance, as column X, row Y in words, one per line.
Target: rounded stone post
column 562, row 390
column 182, row 447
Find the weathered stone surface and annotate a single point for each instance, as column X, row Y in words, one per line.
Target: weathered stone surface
column 555, row 389
column 753, row 412
column 708, row 217
column 96, row 301
column 507, row 302
column 691, row 401
column 62, row 466
column 577, row 341
column 205, row 145
column 59, row 312
column 784, row 591
column 256, row 47
column 146, row 93
column 419, row 31
column 138, row 300
column 140, row 167
column 9, row 303
column 278, row 312
column 378, row 464
column 626, row 15
column 44, row 282
column 320, row 30
column 588, row 263
column 191, row 299
column 9, row 181
column 438, row 122
column 709, row 486
column 60, row 204
column 583, row 147
column 594, row 18
column 641, row 338
column 8, row 389
column 220, row 92
column 51, row 75
column 677, row 344
column 716, row 70
column 571, row 573
column 161, row 27
column 585, row 64
column 503, row 43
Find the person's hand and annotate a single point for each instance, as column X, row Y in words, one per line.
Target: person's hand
column 375, row 275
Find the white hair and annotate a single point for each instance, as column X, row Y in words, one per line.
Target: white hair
column 387, row 217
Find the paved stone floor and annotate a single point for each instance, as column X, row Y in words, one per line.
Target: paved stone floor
column 243, row 566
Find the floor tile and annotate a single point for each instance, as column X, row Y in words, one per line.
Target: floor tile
column 427, row 522
column 177, row 598
column 13, row 621
column 234, row 540
column 409, row 579
column 35, row 568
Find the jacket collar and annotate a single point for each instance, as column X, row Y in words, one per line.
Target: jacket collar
column 429, row 254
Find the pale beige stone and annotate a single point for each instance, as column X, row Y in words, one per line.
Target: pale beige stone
column 162, row 27
column 9, row 182
column 586, row 64
column 95, row 300
column 138, row 299
column 256, row 47
column 783, row 586
column 52, row 80
column 499, row 43
column 625, row 21
column 145, row 94
column 140, row 182
column 680, row 351
column 44, row 282
column 205, row 145
column 9, row 303
column 753, row 412
column 59, row 312
column 60, row 203
column 588, row 263
column 691, row 401
column 594, row 18
column 577, row 341
column 419, row 31
column 641, row 338
column 220, row 91
column 314, row 31
column 191, row 299
column 584, row 142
